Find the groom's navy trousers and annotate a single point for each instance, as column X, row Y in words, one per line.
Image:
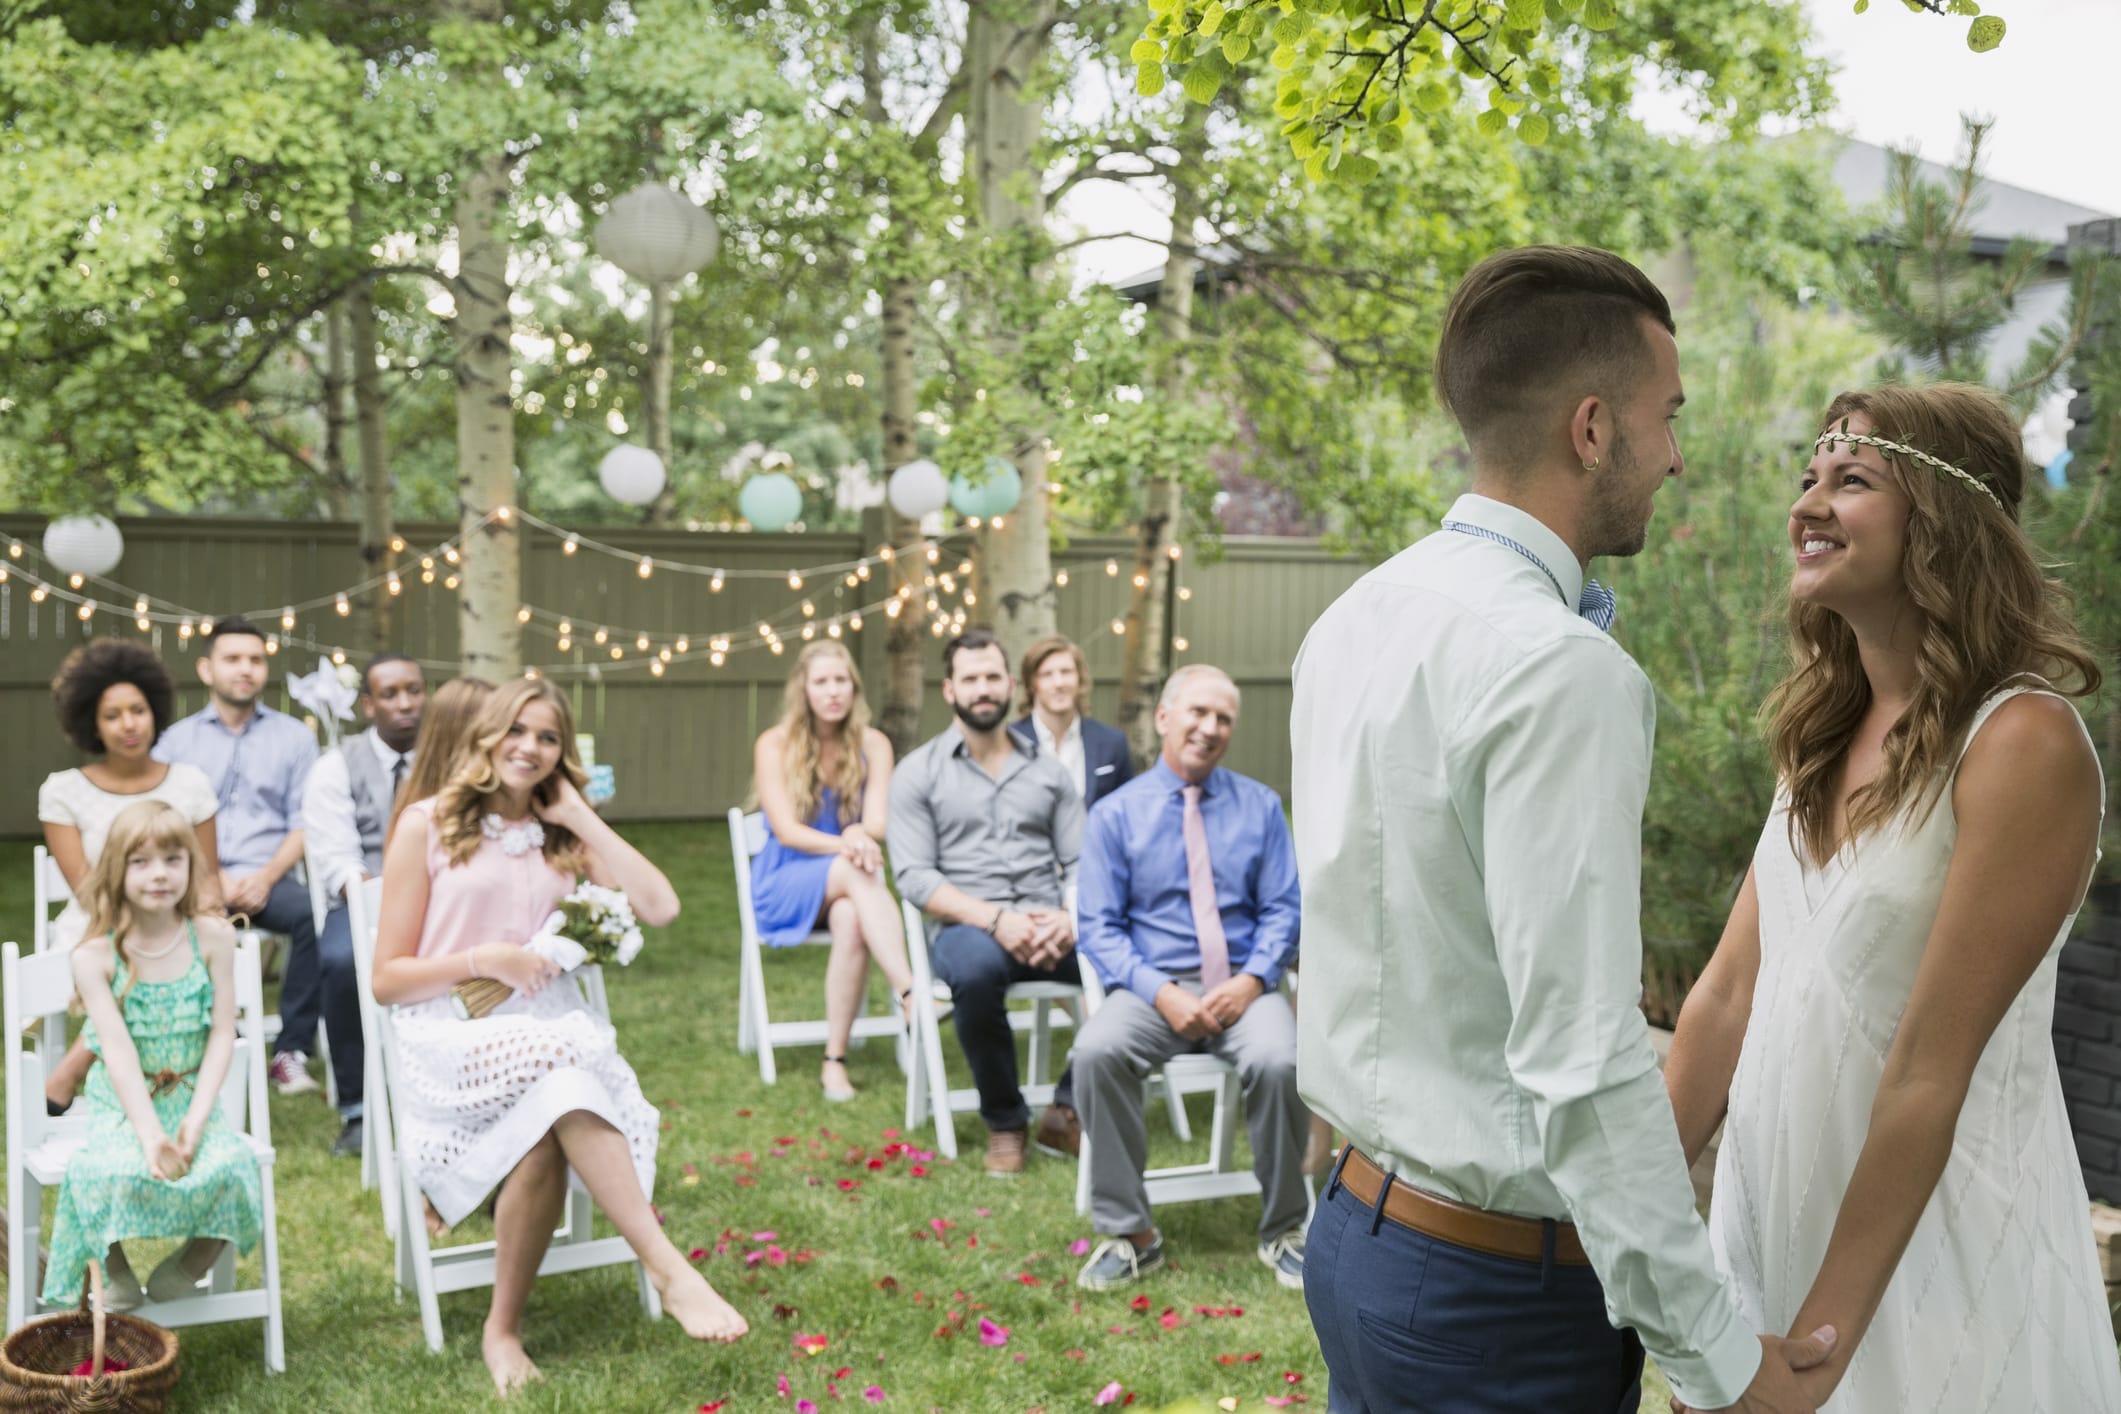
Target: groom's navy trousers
column 1411, row 1324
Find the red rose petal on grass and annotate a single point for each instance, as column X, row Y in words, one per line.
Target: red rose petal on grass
column 875, row 1165
column 887, row 1284
column 714, row 1406
column 1291, row 1377
column 843, row 1372
column 918, row 1170
column 940, row 1225
column 983, row 1212
column 945, row 1330
column 848, row 1185
column 992, row 1334
column 1072, row 1354
column 696, row 1254
column 743, row 1114
column 1028, row 1280
column 1248, row 1358
column 1139, row 1303
column 783, row 1313
column 811, row 1344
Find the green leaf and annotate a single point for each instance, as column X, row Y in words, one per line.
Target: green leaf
column 1601, row 14
column 1146, row 51
column 1315, row 165
column 1533, row 129
column 1492, row 121
column 1862, row 5
column 1283, row 57
column 1236, row 47
column 1205, row 79
column 1290, row 28
column 1524, row 14
column 1432, row 97
column 1211, row 19
column 1149, row 79
column 1985, row 34
column 1356, row 168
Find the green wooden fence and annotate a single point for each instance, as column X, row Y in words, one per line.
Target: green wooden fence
column 681, row 743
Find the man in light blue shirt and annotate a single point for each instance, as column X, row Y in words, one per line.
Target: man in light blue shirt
column 258, row 761
column 1189, row 910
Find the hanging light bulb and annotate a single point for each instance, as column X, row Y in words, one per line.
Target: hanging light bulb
column 272, row 646
column 14, row 549
column 1111, row 568
column 641, row 644
column 656, row 668
column 449, row 553
column 36, row 596
column 565, row 643
column 87, row 610
column 971, row 598
column 140, row 606
column 862, row 573
column 617, row 652
column 523, row 614
column 183, row 629
column 885, row 553
column 684, row 645
column 765, row 630
column 603, row 636
column 809, row 609
column 855, row 623
column 427, row 576
column 645, row 568
column 287, row 618
column 972, row 521
column 397, row 544
column 716, row 658
column 570, row 545
column 343, row 607
column 1180, row 645
column 809, row 632
column 1141, row 581
column 663, row 654
column 996, row 523
column 1174, row 550
column 1185, row 594
column 934, row 553
column 891, row 608
column 427, row 562
column 338, row 657
column 775, row 646
column 851, row 580
column 394, row 585
column 1060, row 580
column 141, row 623
column 832, row 630
column 714, row 586
column 1119, row 628
column 451, row 582
column 795, row 581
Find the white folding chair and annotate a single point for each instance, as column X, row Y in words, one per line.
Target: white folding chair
column 928, row 1092
column 379, row 1170
column 39, row 1146
column 53, row 896
column 755, row 1031
column 1216, row 1177
column 431, row 1271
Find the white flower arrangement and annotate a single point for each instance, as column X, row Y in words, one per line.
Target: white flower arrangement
column 592, row 924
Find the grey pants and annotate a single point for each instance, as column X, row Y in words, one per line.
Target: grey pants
column 1126, row 1040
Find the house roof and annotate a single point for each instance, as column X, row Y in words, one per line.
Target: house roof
column 1863, row 173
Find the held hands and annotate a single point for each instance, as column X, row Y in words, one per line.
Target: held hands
column 1795, row 1376
column 1228, row 1001
column 187, row 1140
column 244, row 893
column 515, row 965
column 1190, row 1016
column 165, row 1161
column 858, row 848
column 1017, row 934
column 1053, row 934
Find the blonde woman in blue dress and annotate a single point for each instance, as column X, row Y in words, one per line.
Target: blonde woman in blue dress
column 158, row 981
column 1897, row 1162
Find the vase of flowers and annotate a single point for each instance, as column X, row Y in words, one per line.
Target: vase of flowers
column 592, row 924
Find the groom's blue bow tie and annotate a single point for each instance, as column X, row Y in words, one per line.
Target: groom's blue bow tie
column 1597, row 604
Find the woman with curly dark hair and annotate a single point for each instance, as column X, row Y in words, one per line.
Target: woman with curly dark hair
column 113, row 698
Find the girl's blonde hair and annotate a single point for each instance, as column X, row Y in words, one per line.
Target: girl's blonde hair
column 152, row 824
column 461, row 805
column 800, row 750
column 1986, row 612
column 443, row 742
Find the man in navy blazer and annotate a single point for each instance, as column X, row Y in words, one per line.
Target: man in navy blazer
column 1056, row 688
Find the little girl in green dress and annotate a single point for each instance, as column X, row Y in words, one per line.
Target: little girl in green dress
column 159, row 987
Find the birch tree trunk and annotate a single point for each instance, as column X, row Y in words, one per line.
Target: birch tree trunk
column 1006, row 48
column 904, row 679
column 373, row 482
column 491, row 640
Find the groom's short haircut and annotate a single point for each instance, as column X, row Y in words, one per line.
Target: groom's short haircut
column 1531, row 326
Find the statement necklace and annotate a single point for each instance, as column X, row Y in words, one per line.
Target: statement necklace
column 517, row 839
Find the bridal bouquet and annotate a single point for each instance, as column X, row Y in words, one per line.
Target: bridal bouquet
column 592, row 924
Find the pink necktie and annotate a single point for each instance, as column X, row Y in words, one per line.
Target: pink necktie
column 1200, row 880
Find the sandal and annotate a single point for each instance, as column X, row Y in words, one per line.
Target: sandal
column 837, row 1094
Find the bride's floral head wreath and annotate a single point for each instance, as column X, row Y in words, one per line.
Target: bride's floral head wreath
column 1840, row 434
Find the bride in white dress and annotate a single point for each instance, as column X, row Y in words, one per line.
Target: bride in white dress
column 1897, row 1161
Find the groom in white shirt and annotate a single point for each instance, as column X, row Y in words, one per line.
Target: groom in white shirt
column 1471, row 755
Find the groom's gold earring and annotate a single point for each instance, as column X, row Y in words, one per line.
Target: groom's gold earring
column 1592, row 464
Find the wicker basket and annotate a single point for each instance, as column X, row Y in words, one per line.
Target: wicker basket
column 34, row 1361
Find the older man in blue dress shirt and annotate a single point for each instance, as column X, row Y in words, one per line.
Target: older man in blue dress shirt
column 1189, row 914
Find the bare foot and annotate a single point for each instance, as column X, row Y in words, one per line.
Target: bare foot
column 436, row 1228
column 508, row 1363
column 698, row 1307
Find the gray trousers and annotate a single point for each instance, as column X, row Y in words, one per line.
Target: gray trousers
column 1126, row 1040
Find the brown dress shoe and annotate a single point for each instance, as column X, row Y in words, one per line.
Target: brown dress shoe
column 1005, row 1153
column 1060, row 1133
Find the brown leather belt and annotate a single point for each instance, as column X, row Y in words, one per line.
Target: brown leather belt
column 1497, row 1234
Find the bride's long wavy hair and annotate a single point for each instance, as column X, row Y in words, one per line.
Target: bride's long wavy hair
column 1987, row 613
column 462, row 805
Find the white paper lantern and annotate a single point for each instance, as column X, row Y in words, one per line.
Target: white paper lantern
column 918, row 489
column 83, row 544
column 632, row 475
column 656, row 235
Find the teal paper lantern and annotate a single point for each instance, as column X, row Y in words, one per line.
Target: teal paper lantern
column 771, row 502
column 996, row 494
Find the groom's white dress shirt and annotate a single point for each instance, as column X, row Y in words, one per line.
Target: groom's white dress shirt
column 1470, row 762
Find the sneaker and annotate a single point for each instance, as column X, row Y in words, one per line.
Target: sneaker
column 1285, row 1254
column 1118, row 1261
column 1005, row 1153
column 289, row 1073
column 1059, row 1133
column 348, row 1144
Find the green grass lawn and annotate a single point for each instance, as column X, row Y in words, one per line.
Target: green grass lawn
column 894, row 1274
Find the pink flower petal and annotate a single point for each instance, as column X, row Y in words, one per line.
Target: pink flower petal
column 1078, row 1247
column 780, row 1386
column 992, row 1334
column 806, row 1406
column 874, row 1394
column 1110, row 1393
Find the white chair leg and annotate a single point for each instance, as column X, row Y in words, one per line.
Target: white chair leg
column 222, row 1278
column 1041, row 1040
column 1222, row 1142
column 939, row 1085
column 1175, row 1102
column 651, row 1301
column 24, row 1224
column 419, row 1260
column 331, row 1081
column 745, row 1037
column 269, row 1260
column 1082, row 1179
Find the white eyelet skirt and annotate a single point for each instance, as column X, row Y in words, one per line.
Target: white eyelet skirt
column 476, row 1096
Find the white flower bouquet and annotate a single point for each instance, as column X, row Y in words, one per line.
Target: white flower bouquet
column 592, row 924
